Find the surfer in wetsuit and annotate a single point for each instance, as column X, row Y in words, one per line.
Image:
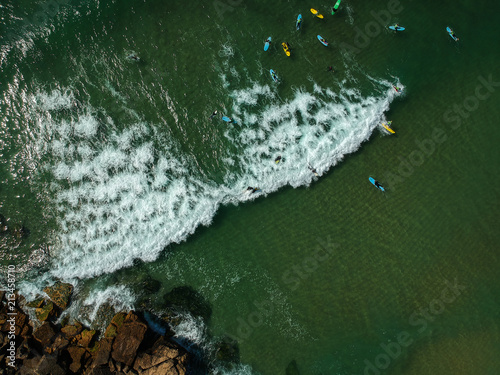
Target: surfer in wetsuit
column 134, row 57
column 330, row 69
column 313, row 170
column 214, row 113
column 278, row 159
column 377, row 184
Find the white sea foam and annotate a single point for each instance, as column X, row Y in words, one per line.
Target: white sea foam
column 121, row 199
column 117, row 296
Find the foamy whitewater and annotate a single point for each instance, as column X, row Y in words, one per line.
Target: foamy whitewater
column 120, row 197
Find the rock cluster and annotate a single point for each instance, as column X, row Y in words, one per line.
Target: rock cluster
column 128, row 346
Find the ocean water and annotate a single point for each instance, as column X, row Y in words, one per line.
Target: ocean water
column 118, row 175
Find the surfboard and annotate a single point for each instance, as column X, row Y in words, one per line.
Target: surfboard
column 286, row 49
column 336, row 7
column 397, row 28
column 451, row 33
column 398, row 89
column 322, row 40
column 273, row 75
column 267, row 43
column 372, row 180
column 298, row 24
column 228, row 119
column 387, row 127
column 316, row 13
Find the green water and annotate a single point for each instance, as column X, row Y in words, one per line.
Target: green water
column 260, row 264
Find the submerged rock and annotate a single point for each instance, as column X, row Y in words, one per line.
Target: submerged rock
column 292, row 368
column 185, row 298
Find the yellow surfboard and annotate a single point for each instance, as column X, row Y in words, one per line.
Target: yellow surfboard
column 286, row 49
column 386, row 126
column 316, row 13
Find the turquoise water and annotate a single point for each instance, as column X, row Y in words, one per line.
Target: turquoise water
column 108, row 161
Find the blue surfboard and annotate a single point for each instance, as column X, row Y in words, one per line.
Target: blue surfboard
column 451, row 33
column 373, row 181
column 322, row 40
column 266, row 45
column 299, row 22
column 396, row 28
column 273, row 75
column 228, row 119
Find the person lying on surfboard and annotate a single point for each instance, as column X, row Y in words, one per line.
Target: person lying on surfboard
column 214, row 113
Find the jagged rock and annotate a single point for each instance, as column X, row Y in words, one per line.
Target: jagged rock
column 23, row 350
column 43, row 313
column 118, row 319
column 128, row 339
column 60, row 343
column 42, row 365
column 71, row 331
column 77, row 354
column 101, row 370
column 111, row 331
column 85, row 337
column 101, row 357
column 59, row 293
column 21, row 324
column 36, row 303
column 44, row 334
column 166, row 368
column 228, row 351
column 3, row 320
column 165, row 358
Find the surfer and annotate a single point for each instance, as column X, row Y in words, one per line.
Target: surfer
column 252, row 189
column 313, row 170
column 454, row 36
column 134, row 57
column 377, row 184
column 214, row 113
column 277, row 160
column 330, row 69
column 396, row 88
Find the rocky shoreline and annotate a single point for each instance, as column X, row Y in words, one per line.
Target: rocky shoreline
column 45, row 346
